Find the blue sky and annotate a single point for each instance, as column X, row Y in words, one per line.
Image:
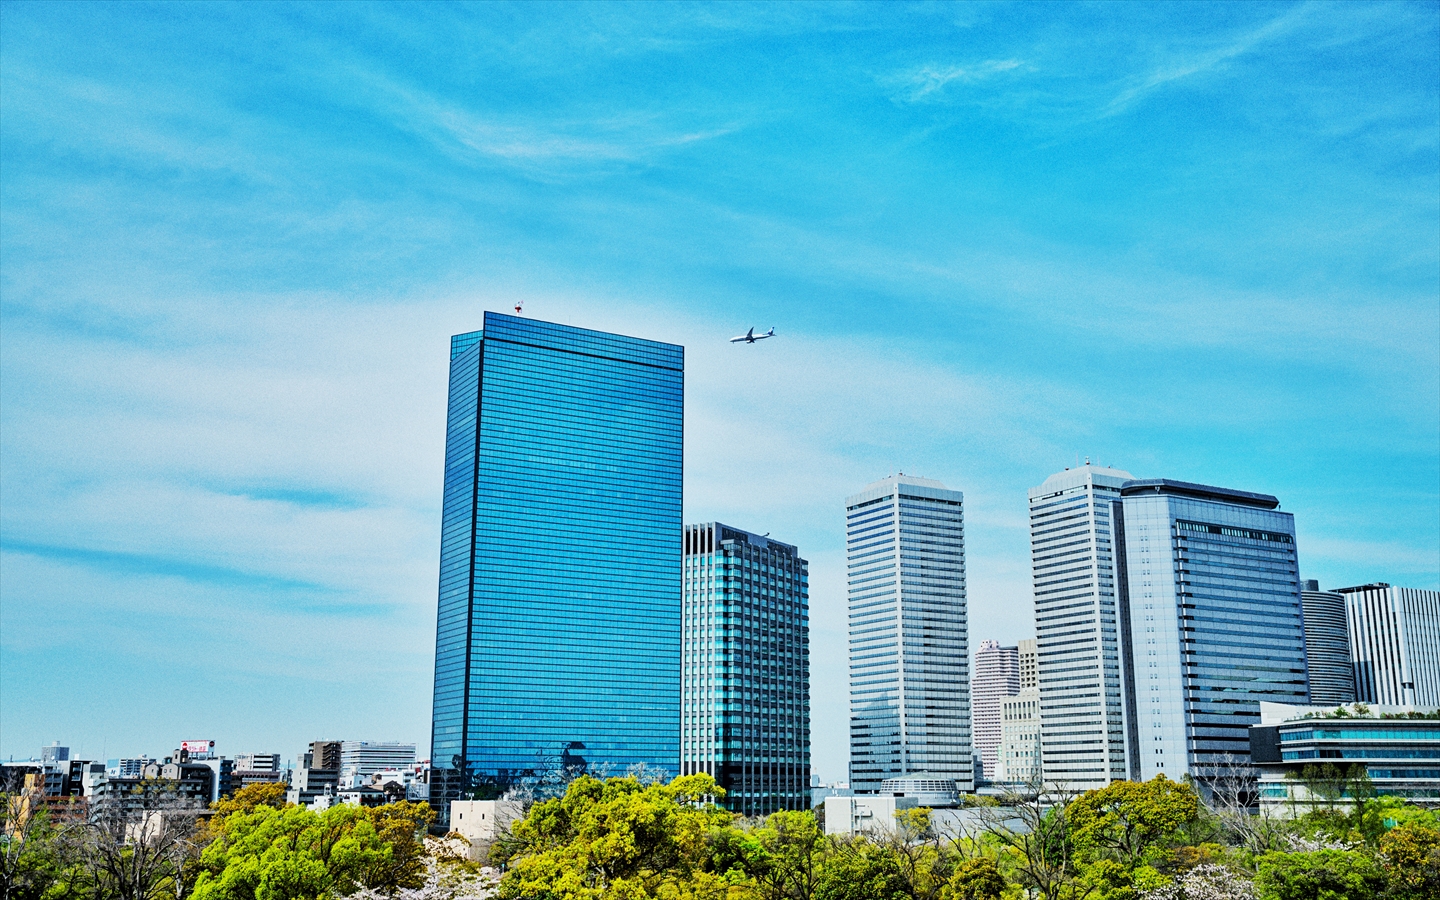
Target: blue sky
column 1197, row 242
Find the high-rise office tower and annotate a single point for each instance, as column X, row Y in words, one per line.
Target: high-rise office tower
column 909, row 642
column 558, row 636
column 1077, row 635
column 1029, row 664
column 1327, row 646
column 745, row 713
column 997, row 676
column 1212, row 587
column 1395, row 643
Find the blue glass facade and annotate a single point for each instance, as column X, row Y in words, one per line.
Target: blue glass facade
column 746, row 716
column 558, row 634
column 1211, row 603
column 1401, row 755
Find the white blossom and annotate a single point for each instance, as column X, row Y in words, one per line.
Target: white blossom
column 1207, row 882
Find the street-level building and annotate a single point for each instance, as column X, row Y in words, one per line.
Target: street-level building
column 1394, row 643
column 745, row 635
column 1212, row 589
column 558, row 628
column 864, row 814
column 482, row 822
column 1080, row 655
column 909, row 637
column 1308, row 757
column 1327, row 645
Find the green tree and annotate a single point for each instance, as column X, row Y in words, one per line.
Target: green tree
column 1319, row 875
column 784, row 856
column 1412, row 856
column 860, row 869
column 36, row 859
column 975, row 879
column 246, row 800
column 620, row 839
column 297, row 854
column 1130, row 817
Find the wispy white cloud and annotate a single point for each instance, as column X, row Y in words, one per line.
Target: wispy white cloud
column 928, row 82
column 546, row 144
column 1187, row 66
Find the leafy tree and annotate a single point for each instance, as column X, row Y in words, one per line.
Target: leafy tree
column 35, row 858
column 1039, row 854
column 860, row 869
column 784, row 856
column 1130, row 817
column 1412, row 856
column 619, row 839
column 246, row 800
column 975, row 879
column 297, row 854
column 1319, row 875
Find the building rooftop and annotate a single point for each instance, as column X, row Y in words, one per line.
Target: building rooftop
column 1079, row 475
column 1142, row 486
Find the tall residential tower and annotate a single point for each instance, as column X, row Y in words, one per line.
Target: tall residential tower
column 909, row 644
column 997, row 676
column 745, row 716
column 558, row 636
column 1082, row 696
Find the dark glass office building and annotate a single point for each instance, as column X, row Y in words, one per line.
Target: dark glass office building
column 558, row 637
column 746, row 713
column 1211, row 613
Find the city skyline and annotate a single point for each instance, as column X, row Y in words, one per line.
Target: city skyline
column 992, row 242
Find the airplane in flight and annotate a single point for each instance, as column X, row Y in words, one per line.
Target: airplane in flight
column 751, row 337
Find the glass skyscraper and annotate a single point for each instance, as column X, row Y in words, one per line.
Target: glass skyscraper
column 745, row 715
column 909, row 633
column 558, row 635
column 1211, row 597
column 1078, row 640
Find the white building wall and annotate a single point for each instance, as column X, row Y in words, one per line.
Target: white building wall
column 870, row 814
column 1158, row 669
column 1018, row 759
column 1080, row 661
column 1395, row 644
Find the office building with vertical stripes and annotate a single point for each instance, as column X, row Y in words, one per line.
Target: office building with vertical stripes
column 1394, row 643
column 909, row 633
column 1077, row 626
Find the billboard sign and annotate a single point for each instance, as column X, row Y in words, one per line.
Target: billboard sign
column 197, row 746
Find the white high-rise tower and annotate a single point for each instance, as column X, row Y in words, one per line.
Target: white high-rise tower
column 1077, row 634
column 909, row 644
